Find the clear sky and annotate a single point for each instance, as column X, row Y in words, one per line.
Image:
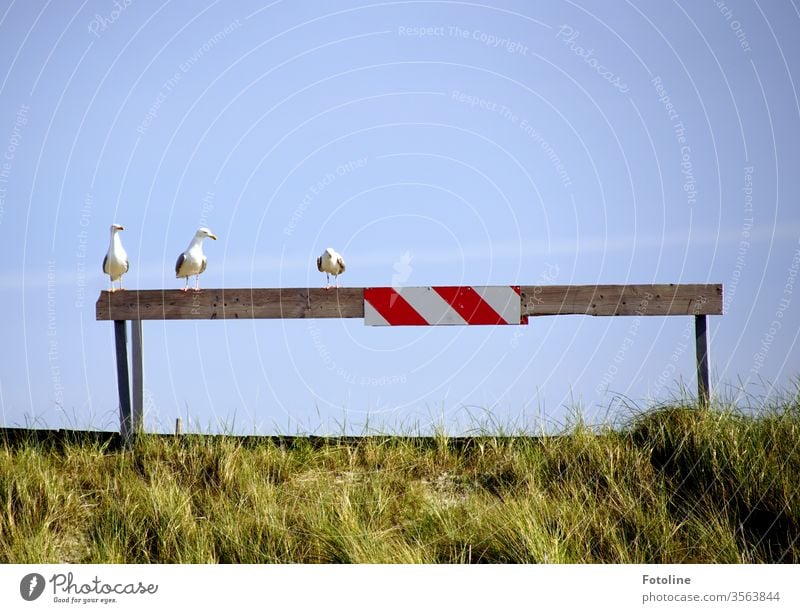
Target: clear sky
column 483, row 143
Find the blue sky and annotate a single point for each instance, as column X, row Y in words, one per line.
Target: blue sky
column 429, row 142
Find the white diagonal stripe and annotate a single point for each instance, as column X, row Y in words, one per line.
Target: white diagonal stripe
column 503, row 299
column 433, row 308
column 372, row 317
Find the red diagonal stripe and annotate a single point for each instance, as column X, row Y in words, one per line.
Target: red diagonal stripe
column 467, row 303
column 393, row 307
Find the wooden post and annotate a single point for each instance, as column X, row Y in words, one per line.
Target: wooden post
column 701, row 341
column 138, row 376
column 178, row 427
column 123, row 385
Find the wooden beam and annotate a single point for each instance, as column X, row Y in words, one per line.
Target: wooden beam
column 615, row 300
column 246, row 303
column 348, row 302
column 701, row 343
column 123, row 384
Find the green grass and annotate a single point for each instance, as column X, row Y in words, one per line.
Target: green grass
column 677, row 484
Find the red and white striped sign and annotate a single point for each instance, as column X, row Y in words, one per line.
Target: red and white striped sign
column 442, row 306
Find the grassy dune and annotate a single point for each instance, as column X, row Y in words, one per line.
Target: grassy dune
column 674, row 485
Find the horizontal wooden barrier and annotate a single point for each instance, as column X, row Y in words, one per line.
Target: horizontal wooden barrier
column 348, row 302
column 613, row 300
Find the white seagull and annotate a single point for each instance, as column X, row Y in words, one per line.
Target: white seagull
column 331, row 263
column 115, row 264
column 193, row 261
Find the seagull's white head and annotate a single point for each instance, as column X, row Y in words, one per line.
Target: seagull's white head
column 115, row 227
column 205, row 233
column 330, row 251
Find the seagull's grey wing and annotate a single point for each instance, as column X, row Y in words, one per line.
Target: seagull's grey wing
column 127, row 265
column 340, row 263
column 203, row 265
column 319, row 264
column 179, row 264
column 105, row 264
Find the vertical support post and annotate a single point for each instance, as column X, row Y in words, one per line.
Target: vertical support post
column 701, row 341
column 137, row 368
column 178, row 427
column 123, row 385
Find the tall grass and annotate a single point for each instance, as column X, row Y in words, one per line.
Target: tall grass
column 678, row 484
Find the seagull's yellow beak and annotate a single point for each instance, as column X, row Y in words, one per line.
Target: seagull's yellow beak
column 214, row 236
column 120, row 228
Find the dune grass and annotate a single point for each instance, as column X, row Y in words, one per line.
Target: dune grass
column 677, row 484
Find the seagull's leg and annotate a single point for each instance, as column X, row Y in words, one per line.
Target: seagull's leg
column 327, row 281
column 186, row 287
column 197, row 283
column 110, row 280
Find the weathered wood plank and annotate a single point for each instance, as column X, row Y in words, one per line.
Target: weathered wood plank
column 245, row 303
column 348, row 302
column 614, row 300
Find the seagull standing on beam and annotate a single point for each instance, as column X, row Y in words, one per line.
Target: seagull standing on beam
column 115, row 264
column 331, row 263
column 193, row 261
